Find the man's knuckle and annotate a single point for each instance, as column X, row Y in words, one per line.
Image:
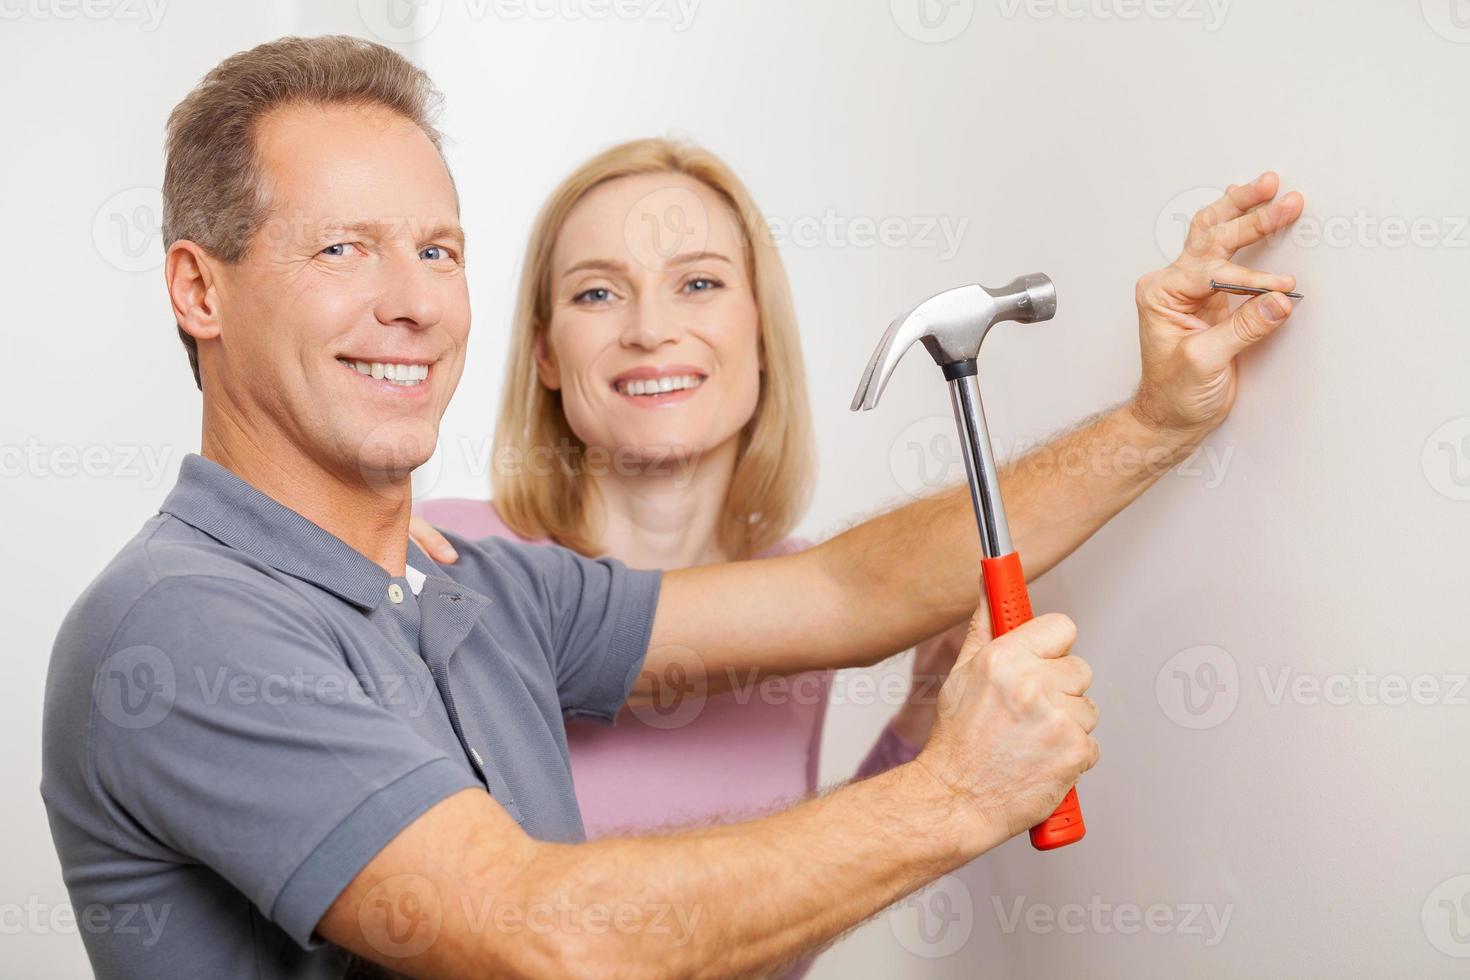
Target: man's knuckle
column 1084, row 672
column 1027, row 690
column 1146, row 284
column 1078, row 752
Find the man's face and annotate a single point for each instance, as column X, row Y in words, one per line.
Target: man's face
column 343, row 330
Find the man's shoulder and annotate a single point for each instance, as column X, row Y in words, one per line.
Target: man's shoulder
column 166, row 602
column 491, row 563
column 167, row 566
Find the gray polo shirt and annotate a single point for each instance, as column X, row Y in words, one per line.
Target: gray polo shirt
column 242, row 710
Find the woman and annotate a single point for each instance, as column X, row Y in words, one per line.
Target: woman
column 655, row 410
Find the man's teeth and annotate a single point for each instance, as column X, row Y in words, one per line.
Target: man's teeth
column 407, row 375
column 657, row 386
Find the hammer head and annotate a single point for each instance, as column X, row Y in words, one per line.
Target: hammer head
column 952, row 325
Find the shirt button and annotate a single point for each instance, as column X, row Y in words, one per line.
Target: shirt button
column 395, row 593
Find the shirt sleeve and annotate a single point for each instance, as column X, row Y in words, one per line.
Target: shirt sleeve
column 598, row 615
column 890, row 751
column 229, row 730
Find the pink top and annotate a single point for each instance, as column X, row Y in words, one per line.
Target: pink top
column 732, row 755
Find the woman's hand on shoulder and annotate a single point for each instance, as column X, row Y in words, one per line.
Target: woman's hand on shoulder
column 435, row 545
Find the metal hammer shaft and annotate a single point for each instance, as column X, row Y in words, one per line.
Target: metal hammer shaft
column 984, row 476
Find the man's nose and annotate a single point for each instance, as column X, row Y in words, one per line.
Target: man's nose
column 409, row 295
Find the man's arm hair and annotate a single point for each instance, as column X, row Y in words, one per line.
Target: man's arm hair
column 902, row 577
column 463, row 891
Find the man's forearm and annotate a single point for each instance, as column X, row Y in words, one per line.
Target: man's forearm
column 903, row 576
column 743, row 899
column 915, row 570
column 1059, row 494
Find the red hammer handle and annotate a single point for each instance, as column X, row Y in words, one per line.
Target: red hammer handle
column 1010, row 606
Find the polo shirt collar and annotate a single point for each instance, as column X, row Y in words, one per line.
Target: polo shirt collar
column 216, row 501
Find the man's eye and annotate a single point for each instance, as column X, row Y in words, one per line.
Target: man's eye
column 597, row 294
column 338, row 250
column 434, row 253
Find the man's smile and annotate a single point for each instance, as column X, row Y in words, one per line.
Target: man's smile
column 396, row 374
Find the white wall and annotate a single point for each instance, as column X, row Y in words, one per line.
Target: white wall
column 1321, row 534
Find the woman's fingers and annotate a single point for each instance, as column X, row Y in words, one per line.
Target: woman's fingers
column 435, row 545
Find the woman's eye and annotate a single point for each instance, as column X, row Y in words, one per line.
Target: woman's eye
column 336, row 251
column 597, row 294
column 703, row 284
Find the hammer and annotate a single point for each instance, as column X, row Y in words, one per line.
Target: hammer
column 952, row 326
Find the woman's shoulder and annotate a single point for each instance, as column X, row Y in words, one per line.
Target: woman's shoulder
column 469, row 518
column 786, row 546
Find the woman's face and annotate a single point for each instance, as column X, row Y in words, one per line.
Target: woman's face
column 654, row 335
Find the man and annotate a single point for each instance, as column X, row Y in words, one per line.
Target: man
column 280, row 731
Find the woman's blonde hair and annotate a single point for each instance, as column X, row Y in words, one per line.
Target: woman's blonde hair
column 771, row 483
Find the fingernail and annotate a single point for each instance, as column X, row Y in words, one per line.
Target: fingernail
column 1275, row 308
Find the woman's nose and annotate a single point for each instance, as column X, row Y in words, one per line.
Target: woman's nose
column 650, row 326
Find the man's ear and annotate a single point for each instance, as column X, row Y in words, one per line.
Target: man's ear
column 189, row 273
column 546, row 366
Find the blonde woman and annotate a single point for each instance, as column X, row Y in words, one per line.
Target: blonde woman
column 655, row 410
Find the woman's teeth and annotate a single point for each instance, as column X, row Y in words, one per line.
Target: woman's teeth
column 407, row 375
column 658, row 386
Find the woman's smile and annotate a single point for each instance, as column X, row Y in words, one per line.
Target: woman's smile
column 656, row 387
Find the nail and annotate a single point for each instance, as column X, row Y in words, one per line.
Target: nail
column 1275, row 307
